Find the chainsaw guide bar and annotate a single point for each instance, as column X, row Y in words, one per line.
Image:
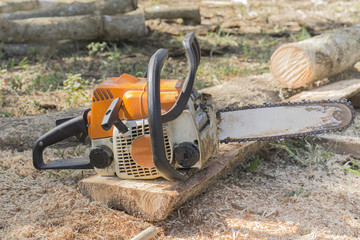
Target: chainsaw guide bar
column 282, row 120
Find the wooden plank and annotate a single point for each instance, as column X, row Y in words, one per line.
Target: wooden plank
column 153, row 200
column 336, row 90
column 345, row 145
column 355, row 100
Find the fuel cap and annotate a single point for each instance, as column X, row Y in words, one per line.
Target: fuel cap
column 101, row 156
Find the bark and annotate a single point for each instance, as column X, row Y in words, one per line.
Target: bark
column 86, row 27
column 13, row 6
column 188, row 13
column 301, row 63
column 103, row 7
column 118, row 27
column 21, row 5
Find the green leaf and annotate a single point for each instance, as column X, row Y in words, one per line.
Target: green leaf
column 254, row 165
column 348, row 169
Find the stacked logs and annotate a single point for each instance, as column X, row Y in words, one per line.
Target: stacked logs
column 42, row 25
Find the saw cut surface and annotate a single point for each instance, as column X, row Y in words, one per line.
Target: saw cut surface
column 291, row 66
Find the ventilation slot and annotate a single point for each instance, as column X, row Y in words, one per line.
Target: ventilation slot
column 127, row 167
column 102, row 94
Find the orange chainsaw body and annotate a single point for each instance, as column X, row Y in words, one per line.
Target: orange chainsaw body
column 133, row 92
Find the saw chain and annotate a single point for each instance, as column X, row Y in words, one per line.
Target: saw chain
column 281, row 137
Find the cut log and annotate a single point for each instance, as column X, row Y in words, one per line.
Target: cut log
column 21, row 132
column 103, row 7
column 189, row 13
column 119, row 27
column 154, row 199
column 86, row 27
column 301, row 63
column 45, row 49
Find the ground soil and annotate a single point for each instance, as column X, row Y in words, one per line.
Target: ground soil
column 285, row 197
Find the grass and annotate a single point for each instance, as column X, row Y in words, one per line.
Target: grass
column 48, row 82
column 352, row 166
column 304, row 34
column 300, row 151
column 74, row 86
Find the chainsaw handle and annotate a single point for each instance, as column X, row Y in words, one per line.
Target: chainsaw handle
column 65, row 130
column 155, row 119
column 192, row 50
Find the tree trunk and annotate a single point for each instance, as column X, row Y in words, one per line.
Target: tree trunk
column 297, row 64
column 21, row 132
column 129, row 26
column 13, row 6
column 104, row 7
column 188, row 13
column 86, row 27
column 22, row 5
column 43, row 49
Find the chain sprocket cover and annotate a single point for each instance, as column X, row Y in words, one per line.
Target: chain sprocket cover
column 277, row 121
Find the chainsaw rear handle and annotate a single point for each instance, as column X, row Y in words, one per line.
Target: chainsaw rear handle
column 65, row 130
column 192, row 50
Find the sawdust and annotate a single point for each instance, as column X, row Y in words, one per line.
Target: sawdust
column 257, row 206
column 261, row 205
column 47, row 205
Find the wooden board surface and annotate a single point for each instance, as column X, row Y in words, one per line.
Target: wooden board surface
column 336, row 90
column 153, row 200
column 345, row 145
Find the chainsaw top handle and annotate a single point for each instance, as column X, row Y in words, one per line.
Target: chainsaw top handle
column 192, row 50
column 67, row 129
column 154, row 108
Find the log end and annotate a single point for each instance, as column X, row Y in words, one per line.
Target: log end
column 291, row 66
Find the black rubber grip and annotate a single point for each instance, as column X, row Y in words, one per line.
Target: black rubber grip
column 192, row 50
column 65, row 130
column 154, row 116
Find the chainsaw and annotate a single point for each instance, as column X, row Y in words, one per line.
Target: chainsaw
column 145, row 128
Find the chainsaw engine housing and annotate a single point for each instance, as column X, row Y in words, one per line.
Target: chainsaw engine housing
column 141, row 127
column 189, row 140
